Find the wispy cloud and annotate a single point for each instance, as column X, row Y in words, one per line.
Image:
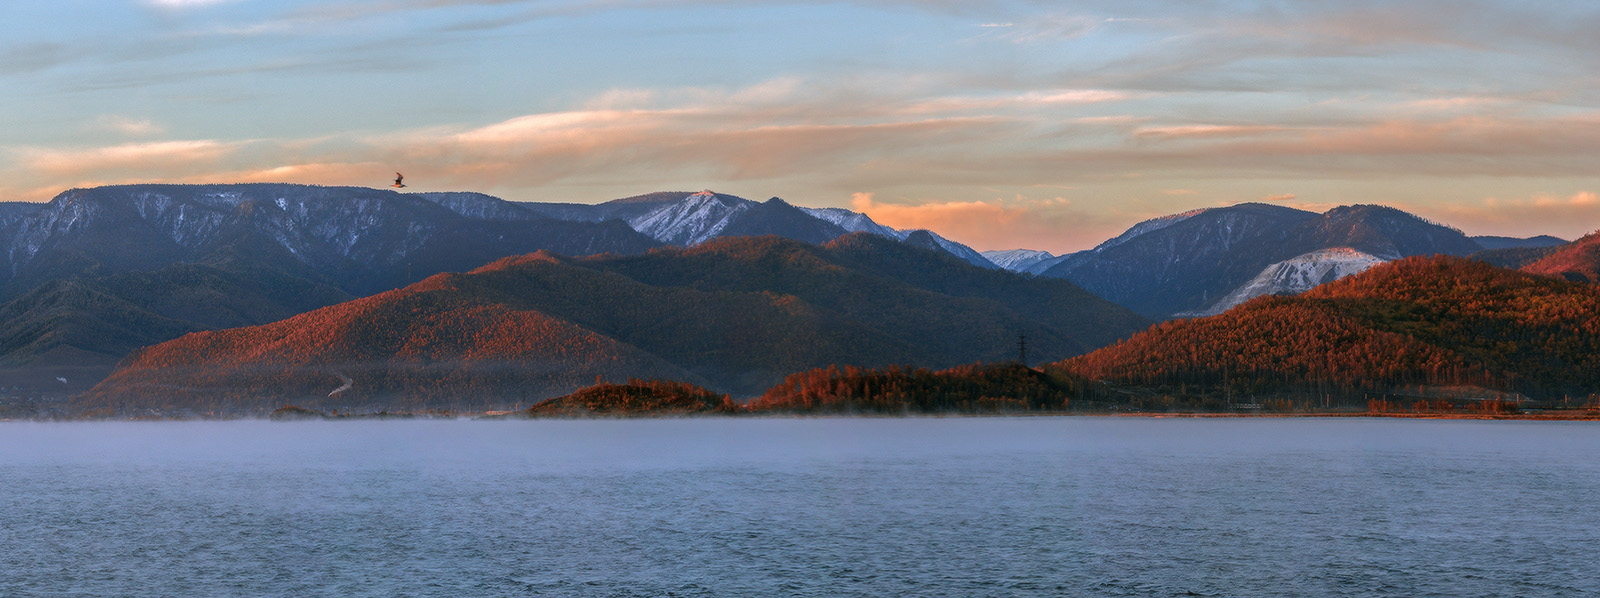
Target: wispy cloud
column 182, row 4
column 1044, row 28
column 1019, row 222
column 132, row 127
column 153, row 157
column 1032, row 99
column 1207, row 131
column 35, row 56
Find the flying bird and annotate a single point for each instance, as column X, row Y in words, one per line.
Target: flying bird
column 398, row 178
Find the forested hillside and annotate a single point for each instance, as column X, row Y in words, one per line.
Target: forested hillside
column 1416, row 322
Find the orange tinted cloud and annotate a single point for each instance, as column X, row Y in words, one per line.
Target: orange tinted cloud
column 153, row 156
column 1052, row 225
column 1565, row 216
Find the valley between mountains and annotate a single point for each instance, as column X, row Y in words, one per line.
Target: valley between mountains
column 236, row 300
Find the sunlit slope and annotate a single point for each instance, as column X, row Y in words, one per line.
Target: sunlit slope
column 1420, row 321
column 1578, row 261
column 433, row 344
column 67, row 334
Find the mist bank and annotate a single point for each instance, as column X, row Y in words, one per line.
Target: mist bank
column 976, row 390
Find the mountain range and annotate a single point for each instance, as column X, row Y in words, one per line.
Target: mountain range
column 735, row 315
column 684, row 219
column 96, row 274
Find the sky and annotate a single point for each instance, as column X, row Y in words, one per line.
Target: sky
column 1002, row 124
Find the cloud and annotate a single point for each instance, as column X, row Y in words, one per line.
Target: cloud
column 918, row 139
column 1280, row 197
column 1120, row 120
column 1568, row 216
column 1206, row 131
column 183, row 4
column 131, row 127
column 1047, row 28
column 1454, row 137
column 1563, row 146
column 1446, row 104
column 26, row 58
column 1053, row 224
column 775, row 129
column 1028, row 100
column 154, row 158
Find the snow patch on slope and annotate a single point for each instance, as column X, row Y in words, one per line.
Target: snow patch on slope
column 691, row 221
column 964, row 252
column 1016, row 260
column 1296, row 275
column 857, row 222
column 854, row 222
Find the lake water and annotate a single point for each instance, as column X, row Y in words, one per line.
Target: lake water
column 1046, row 506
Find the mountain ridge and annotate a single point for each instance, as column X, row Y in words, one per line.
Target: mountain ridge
column 1186, row 263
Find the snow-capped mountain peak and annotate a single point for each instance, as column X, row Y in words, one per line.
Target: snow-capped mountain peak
column 692, row 220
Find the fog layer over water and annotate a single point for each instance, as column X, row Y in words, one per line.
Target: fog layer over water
column 801, row 507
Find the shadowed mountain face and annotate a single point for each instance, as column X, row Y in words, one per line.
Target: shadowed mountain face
column 1578, row 261
column 1184, row 264
column 734, row 315
column 1188, row 262
column 1492, row 242
column 96, row 272
column 67, row 334
column 1441, row 321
